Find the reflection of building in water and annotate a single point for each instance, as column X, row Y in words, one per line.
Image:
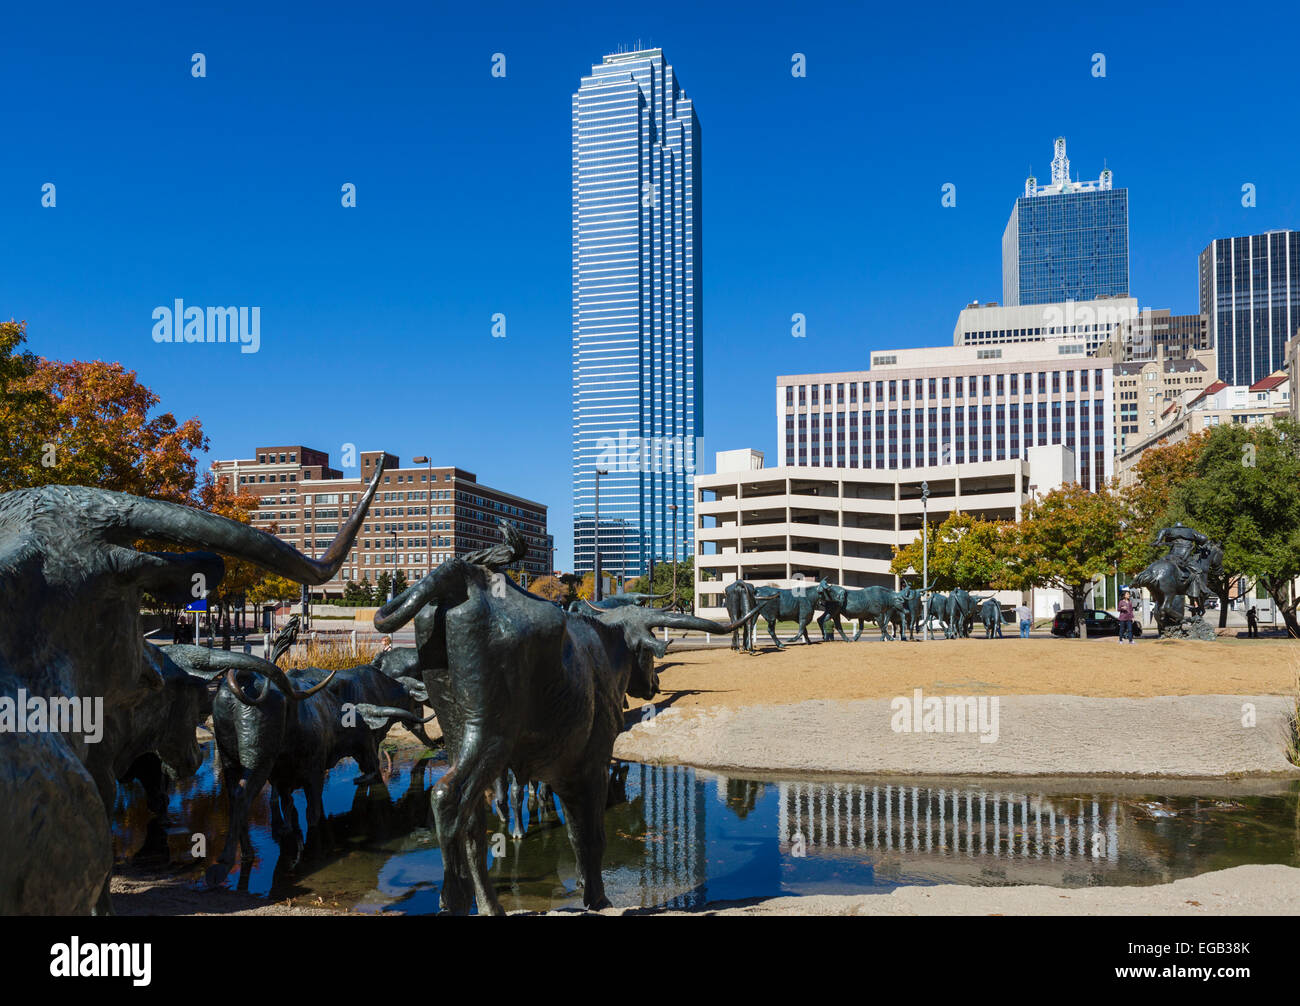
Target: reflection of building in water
column 673, row 873
column 915, row 822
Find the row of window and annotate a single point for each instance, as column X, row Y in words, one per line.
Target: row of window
column 974, row 386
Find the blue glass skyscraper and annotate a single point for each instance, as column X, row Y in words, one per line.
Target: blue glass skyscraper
column 638, row 391
column 1250, row 290
column 1067, row 240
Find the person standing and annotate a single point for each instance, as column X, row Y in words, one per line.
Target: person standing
column 1125, row 618
column 1252, row 623
column 1023, row 617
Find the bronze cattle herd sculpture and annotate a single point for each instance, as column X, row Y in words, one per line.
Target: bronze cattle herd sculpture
column 520, row 686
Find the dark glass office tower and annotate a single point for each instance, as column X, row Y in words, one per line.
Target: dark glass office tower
column 1250, row 289
column 638, row 389
column 1067, row 240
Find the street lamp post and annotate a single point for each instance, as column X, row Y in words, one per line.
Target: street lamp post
column 925, row 560
column 595, row 588
column 424, row 459
column 1033, row 609
column 393, row 536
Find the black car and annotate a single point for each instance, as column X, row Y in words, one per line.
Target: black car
column 1100, row 623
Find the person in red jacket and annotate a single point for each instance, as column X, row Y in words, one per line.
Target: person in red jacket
column 1125, row 618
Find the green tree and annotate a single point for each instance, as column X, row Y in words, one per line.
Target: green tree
column 1246, row 496
column 399, row 582
column 382, row 586
column 1066, row 539
column 1160, row 473
column 964, row 552
column 662, row 582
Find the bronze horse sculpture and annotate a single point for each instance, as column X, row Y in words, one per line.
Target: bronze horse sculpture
column 1182, row 571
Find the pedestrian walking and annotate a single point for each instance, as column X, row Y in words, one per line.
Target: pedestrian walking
column 1125, row 618
column 1023, row 616
column 1252, row 623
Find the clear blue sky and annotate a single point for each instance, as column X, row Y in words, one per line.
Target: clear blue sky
column 821, row 195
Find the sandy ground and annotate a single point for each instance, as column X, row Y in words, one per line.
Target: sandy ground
column 1066, row 707
column 1242, row 890
column 1009, row 666
column 141, row 892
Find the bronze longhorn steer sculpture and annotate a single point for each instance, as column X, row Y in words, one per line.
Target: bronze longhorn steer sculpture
column 156, row 737
column 70, row 635
column 617, row 601
column 740, row 599
column 273, row 730
column 517, row 683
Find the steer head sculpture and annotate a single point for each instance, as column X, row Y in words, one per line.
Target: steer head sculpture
column 71, row 584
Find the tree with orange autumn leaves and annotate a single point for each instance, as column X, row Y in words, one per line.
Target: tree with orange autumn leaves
column 93, row 423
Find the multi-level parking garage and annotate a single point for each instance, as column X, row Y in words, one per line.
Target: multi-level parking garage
column 787, row 525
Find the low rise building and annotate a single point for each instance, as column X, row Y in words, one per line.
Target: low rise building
column 1218, row 404
column 796, row 524
column 1091, row 322
column 1144, row 389
column 421, row 516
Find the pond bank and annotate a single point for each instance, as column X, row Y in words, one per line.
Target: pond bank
column 1242, row 890
column 1178, row 736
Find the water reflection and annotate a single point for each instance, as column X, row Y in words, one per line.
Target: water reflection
column 672, row 844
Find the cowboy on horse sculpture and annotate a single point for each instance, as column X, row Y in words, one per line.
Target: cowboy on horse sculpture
column 1183, row 570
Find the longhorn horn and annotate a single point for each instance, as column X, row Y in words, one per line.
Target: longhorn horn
column 369, row 711
column 212, row 662
column 659, row 619
column 130, row 517
column 402, row 608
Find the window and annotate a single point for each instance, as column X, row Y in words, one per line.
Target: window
column 884, row 361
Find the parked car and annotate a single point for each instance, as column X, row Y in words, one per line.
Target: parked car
column 1100, row 623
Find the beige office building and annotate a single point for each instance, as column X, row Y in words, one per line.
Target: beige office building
column 960, row 405
column 1144, row 390
column 1219, row 404
column 797, row 524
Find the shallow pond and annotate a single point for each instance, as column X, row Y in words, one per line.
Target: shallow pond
column 685, row 837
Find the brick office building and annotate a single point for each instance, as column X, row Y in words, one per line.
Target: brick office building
column 420, row 515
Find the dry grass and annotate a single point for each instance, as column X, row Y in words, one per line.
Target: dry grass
column 329, row 654
column 1293, row 720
